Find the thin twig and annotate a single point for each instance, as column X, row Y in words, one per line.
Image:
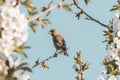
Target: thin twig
column 46, row 11
column 90, row 17
column 39, row 15
column 18, row 2
column 81, row 74
column 47, row 59
column 81, row 71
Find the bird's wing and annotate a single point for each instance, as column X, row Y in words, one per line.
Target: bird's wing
column 61, row 42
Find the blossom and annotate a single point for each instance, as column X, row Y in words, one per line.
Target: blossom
column 112, row 52
column 10, row 2
column 100, row 78
column 116, row 23
column 17, row 62
column 104, row 71
column 117, row 62
column 118, row 33
column 18, row 74
column 116, row 40
column 22, row 76
column 14, row 27
column 112, row 77
column 13, row 33
column 113, row 57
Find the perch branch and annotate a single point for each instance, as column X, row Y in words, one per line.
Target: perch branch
column 47, row 59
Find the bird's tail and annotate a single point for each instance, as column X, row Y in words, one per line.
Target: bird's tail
column 66, row 54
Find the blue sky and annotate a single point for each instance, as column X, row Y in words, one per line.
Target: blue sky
column 80, row 35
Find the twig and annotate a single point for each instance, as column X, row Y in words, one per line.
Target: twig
column 90, row 17
column 46, row 11
column 47, row 59
column 18, row 2
column 39, row 15
column 81, row 74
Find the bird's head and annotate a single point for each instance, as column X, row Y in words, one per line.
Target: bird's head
column 53, row 32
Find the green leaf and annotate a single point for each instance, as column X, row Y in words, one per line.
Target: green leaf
column 2, row 1
column 26, row 47
column 75, row 68
column 116, row 72
column 33, row 26
column 85, row 66
column 50, row 4
column 86, row 1
column 43, row 22
column 67, row 7
column 78, row 60
column 31, row 9
column 19, row 50
column 43, row 9
column 22, row 64
column 109, row 35
column 26, row 69
column 23, row 46
column 109, row 68
column 106, row 61
column 78, row 78
column 115, row 7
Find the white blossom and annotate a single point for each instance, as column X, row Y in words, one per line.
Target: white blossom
column 10, row 2
column 104, row 71
column 18, row 74
column 117, row 62
column 100, row 78
column 22, row 76
column 113, row 49
column 116, row 40
column 14, row 27
column 112, row 77
column 112, row 52
column 118, row 33
column 13, row 33
column 17, row 62
column 116, row 22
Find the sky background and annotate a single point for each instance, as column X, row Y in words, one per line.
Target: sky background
column 80, row 35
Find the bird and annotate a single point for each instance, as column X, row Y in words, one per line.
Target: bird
column 58, row 41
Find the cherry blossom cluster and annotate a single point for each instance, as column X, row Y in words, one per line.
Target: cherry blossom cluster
column 113, row 49
column 13, row 33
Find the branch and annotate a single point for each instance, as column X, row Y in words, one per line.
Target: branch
column 81, row 74
column 90, row 17
column 18, row 2
column 51, row 57
column 46, row 11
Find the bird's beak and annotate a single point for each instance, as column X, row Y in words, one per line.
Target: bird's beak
column 49, row 32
